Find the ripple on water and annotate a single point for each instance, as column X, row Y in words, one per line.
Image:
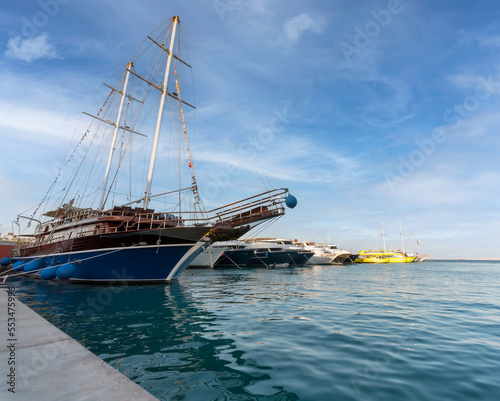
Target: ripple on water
column 421, row 332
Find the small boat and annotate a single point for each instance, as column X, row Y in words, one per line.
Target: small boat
column 296, row 255
column 260, row 252
column 420, row 258
column 102, row 227
column 277, row 251
column 324, row 254
column 351, row 258
column 339, row 255
column 234, row 254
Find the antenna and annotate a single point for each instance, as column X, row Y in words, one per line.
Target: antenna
column 383, row 234
column 401, row 234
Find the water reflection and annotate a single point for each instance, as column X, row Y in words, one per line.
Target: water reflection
column 426, row 331
column 162, row 337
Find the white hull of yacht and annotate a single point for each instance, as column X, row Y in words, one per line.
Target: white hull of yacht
column 208, row 257
column 320, row 260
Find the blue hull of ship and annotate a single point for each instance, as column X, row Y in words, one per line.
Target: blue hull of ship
column 124, row 265
column 269, row 258
column 234, row 258
column 300, row 258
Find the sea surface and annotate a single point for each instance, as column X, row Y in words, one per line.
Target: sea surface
column 422, row 331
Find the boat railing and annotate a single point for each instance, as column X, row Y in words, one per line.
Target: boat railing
column 246, row 211
column 252, row 209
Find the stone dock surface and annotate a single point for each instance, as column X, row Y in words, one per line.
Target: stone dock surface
column 50, row 365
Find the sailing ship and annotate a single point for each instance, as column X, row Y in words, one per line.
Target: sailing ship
column 384, row 256
column 105, row 234
column 387, row 255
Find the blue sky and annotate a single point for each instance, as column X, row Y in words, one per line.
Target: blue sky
column 364, row 110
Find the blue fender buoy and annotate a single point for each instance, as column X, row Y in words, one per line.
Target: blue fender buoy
column 65, row 272
column 291, row 201
column 5, row 261
column 18, row 266
column 33, row 265
column 49, row 273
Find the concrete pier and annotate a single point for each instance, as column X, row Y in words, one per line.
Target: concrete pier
column 40, row 362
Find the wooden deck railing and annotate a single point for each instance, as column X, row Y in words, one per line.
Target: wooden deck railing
column 122, row 219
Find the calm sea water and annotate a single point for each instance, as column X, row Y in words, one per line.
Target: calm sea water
column 426, row 331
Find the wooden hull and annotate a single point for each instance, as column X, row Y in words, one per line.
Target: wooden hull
column 174, row 235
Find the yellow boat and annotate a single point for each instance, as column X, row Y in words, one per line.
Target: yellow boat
column 387, row 256
column 383, row 256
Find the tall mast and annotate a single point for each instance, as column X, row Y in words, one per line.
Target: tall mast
column 115, row 134
column 401, row 234
column 175, row 21
column 383, row 234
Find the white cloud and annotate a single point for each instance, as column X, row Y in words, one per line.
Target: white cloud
column 389, row 101
column 297, row 26
column 30, row 49
column 480, row 125
column 488, row 41
column 41, row 123
column 465, row 81
column 298, row 160
column 257, row 6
